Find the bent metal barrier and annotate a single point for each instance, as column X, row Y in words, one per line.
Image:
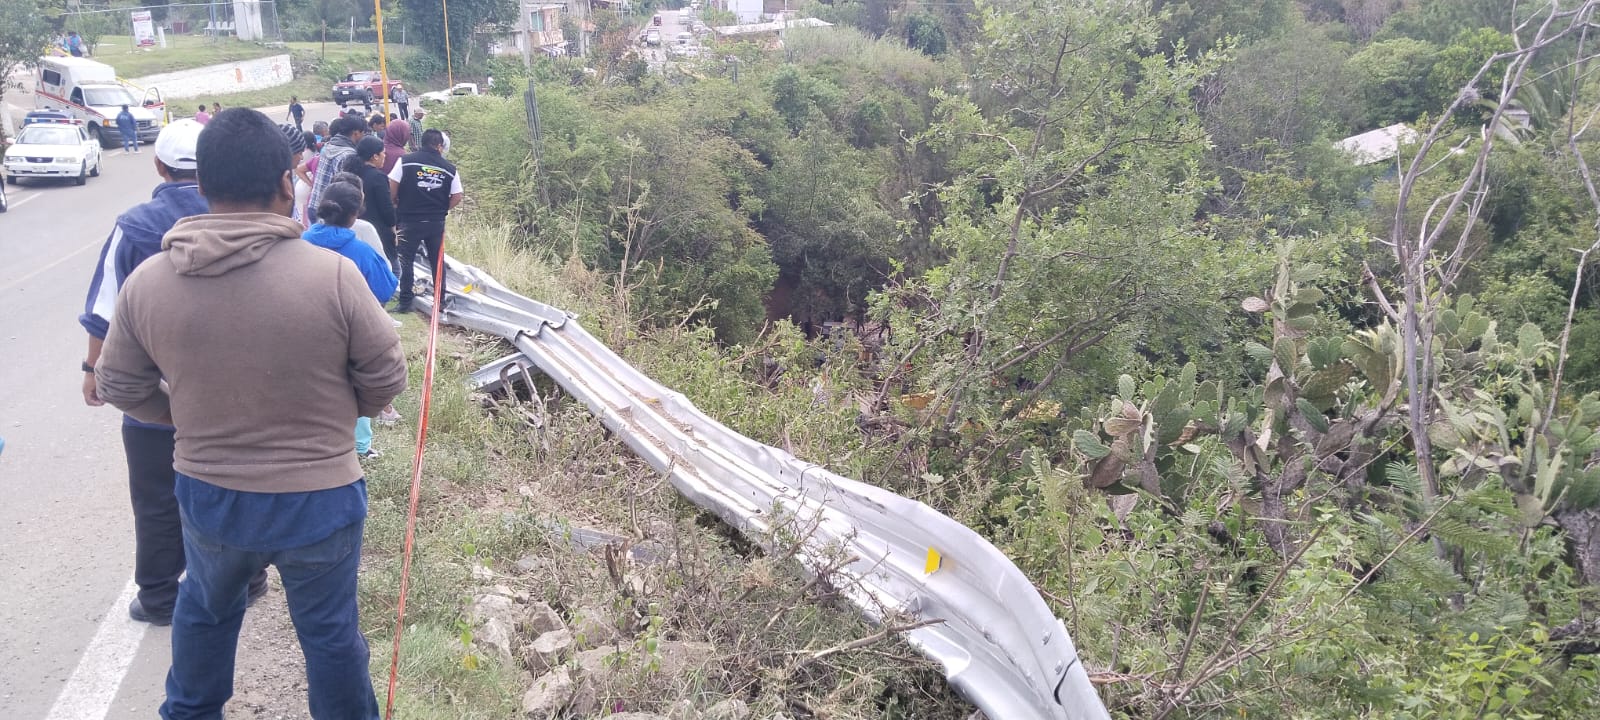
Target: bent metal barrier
column 998, row 642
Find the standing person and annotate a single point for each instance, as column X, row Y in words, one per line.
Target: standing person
column 377, row 123
column 158, row 557
column 75, row 44
column 402, row 99
column 378, row 207
column 320, row 129
column 216, row 107
column 490, row 84
column 297, row 151
column 426, row 188
column 364, row 230
column 297, row 112
column 395, row 141
column 416, row 128
column 201, row 116
column 347, row 132
column 263, row 351
column 129, row 129
column 340, row 208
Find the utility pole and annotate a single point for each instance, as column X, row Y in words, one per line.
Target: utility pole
column 449, row 60
column 536, row 130
column 526, row 21
column 383, row 62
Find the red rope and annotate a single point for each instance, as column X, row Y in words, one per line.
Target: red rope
column 416, row 479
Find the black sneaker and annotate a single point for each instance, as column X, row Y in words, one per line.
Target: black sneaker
column 402, row 309
column 137, row 612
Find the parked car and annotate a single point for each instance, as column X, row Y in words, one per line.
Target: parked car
column 444, row 96
column 4, row 203
column 656, row 20
column 44, row 116
column 365, row 87
column 52, row 150
column 652, row 38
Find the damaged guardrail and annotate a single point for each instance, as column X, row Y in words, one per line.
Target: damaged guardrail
column 1000, row 645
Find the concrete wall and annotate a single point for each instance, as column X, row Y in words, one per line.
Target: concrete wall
column 221, row 79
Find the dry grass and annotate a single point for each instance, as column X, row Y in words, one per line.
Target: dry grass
column 512, row 480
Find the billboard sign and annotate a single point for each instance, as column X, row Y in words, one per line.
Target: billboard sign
column 144, row 29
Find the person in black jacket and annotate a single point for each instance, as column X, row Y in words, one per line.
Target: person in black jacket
column 367, row 163
column 426, row 188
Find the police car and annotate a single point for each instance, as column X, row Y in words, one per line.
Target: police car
column 52, row 148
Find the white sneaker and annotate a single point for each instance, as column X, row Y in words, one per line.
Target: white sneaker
column 397, row 323
column 370, row 454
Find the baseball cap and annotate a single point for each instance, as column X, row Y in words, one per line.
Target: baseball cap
column 175, row 146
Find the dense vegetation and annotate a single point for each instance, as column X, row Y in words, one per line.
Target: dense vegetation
column 1281, row 434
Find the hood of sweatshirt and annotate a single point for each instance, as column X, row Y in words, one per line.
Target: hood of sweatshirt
column 397, row 134
column 210, row 245
column 331, row 237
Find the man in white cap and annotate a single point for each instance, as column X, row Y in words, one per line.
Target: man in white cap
column 158, row 532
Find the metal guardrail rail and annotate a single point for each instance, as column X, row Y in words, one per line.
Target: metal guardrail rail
column 997, row 640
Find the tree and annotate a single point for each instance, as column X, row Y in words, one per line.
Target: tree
column 1278, row 96
column 1363, row 17
column 1431, row 251
column 1071, row 222
column 24, row 34
column 333, row 13
column 469, row 21
column 1437, row 21
column 829, row 237
column 923, row 32
column 1202, row 25
column 1457, row 64
column 1392, row 80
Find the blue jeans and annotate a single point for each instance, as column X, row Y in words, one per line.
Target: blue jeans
column 319, row 581
column 130, row 143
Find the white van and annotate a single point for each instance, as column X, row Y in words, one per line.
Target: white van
column 90, row 91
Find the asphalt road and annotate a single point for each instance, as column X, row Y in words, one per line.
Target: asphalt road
column 66, row 537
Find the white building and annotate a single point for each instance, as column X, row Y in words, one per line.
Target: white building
column 538, row 30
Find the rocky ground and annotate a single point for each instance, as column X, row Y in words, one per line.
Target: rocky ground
column 270, row 677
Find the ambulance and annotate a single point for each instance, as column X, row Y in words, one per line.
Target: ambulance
column 90, row 91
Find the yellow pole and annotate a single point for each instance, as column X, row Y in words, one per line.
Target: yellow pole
column 383, row 65
column 449, row 67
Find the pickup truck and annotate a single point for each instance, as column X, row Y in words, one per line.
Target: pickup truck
column 365, row 87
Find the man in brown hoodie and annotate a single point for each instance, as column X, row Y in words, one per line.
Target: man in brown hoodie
column 262, row 350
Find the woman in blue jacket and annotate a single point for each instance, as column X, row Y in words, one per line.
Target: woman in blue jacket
column 337, row 211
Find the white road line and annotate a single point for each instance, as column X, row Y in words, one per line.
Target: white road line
column 48, row 268
column 15, row 203
column 93, row 686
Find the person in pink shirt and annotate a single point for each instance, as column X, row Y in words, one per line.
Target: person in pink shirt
column 201, row 116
